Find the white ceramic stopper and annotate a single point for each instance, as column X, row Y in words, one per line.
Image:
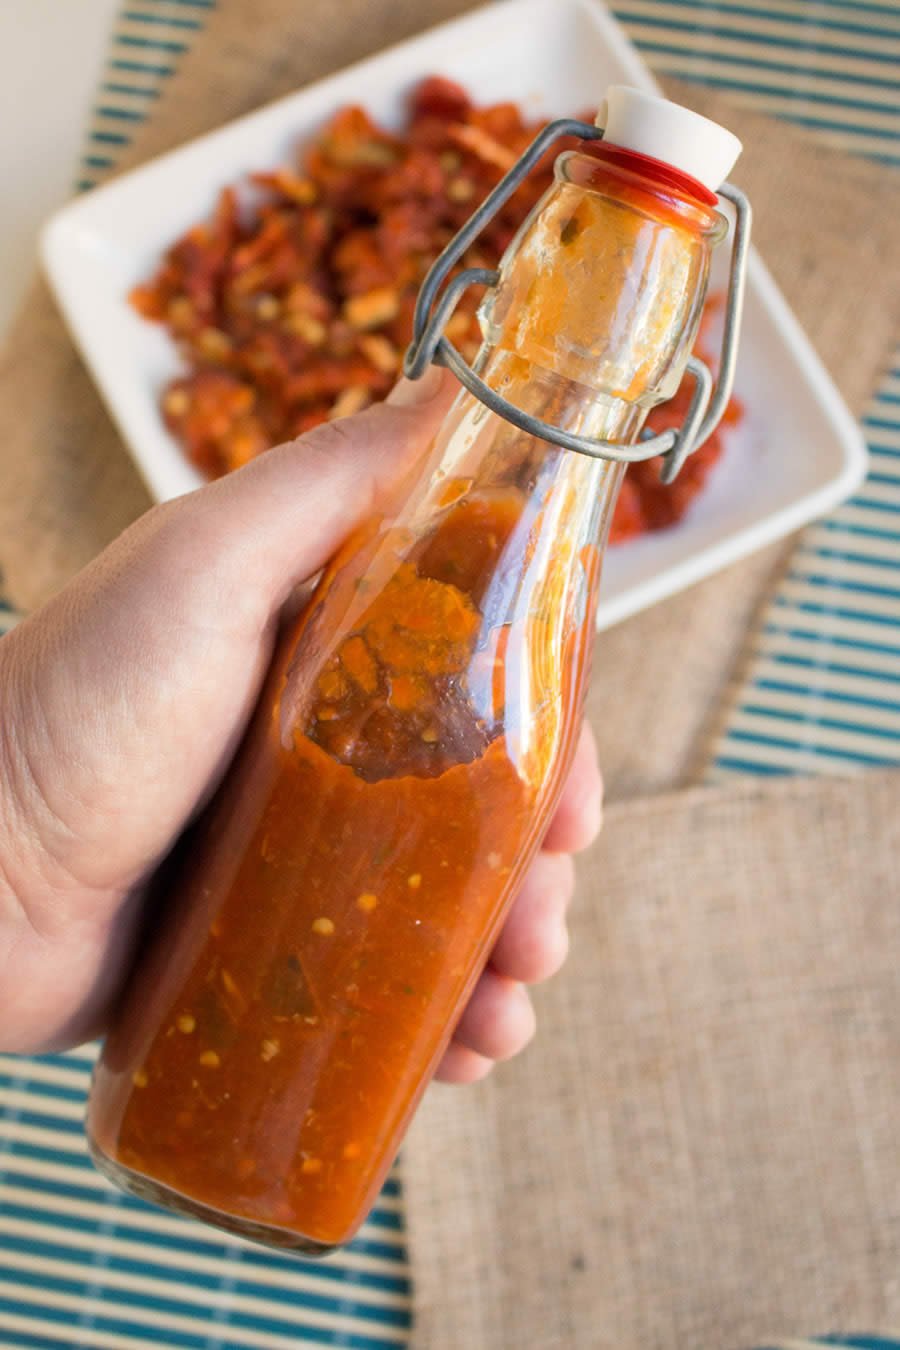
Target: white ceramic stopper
column 654, row 126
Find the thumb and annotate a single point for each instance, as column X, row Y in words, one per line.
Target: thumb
column 132, row 686
column 284, row 515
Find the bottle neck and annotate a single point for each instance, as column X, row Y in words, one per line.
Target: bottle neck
column 572, row 494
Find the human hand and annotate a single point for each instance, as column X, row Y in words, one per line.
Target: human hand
column 123, row 701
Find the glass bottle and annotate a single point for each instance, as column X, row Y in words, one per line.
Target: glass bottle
column 328, row 917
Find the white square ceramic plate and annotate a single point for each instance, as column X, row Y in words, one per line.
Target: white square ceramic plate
column 797, row 453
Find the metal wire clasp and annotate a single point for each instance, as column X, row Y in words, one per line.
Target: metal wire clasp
column 434, row 307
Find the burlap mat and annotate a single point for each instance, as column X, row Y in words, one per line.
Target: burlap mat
column 700, row 1151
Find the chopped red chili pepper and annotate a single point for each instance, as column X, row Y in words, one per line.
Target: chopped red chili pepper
column 294, row 302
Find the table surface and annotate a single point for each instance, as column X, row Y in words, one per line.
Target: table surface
column 81, row 1265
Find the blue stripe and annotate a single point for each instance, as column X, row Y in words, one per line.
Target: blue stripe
column 883, row 423
column 806, row 747
column 846, row 128
column 27, row 1182
column 120, row 114
column 188, row 1276
column 750, row 766
column 865, row 531
column 795, row 95
column 141, row 90
column 45, row 1121
column 28, row 1340
column 70, row 1060
column 759, row 63
column 835, row 611
column 386, row 1219
column 856, row 4
column 38, row 1153
column 831, row 695
column 764, row 39
column 110, row 138
column 117, row 1326
column 377, row 1219
column 815, row 635
column 842, row 584
column 156, row 1303
column 887, row 451
column 198, row 1246
column 68, row 1094
column 143, row 67
column 152, row 44
column 758, row 12
column 867, row 1342
column 811, row 719
column 868, row 504
column 134, row 16
column 828, row 667
column 192, row 1245
column 98, row 161
column 193, row 4
column 863, row 559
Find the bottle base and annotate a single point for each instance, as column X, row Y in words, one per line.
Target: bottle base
column 157, row 1193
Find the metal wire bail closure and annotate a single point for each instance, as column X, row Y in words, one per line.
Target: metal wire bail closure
column 434, row 307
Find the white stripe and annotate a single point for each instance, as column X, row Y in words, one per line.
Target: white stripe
column 799, row 1345
column 90, row 1052
column 159, row 1222
column 825, row 680
column 196, row 1295
column 44, row 1073
column 155, row 32
column 793, row 59
column 194, row 1326
column 840, row 542
column 811, row 707
column 875, row 605
column 778, row 757
column 800, row 103
column 889, row 385
column 825, row 739
column 49, row 1106
column 822, row 653
column 41, row 1326
column 827, row 40
column 836, row 13
column 810, row 564
column 282, row 1276
column 43, row 1137
column 870, row 519
column 889, row 436
column 775, row 106
column 807, row 82
column 88, row 1177
column 87, row 1336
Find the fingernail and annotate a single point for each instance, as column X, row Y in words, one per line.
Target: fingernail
column 409, row 393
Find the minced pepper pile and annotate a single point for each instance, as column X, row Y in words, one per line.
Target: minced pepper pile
column 293, row 304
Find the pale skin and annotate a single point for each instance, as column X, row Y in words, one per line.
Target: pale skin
column 124, row 698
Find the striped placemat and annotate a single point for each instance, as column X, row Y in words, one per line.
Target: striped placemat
column 822, row 692
column 82, row 1265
